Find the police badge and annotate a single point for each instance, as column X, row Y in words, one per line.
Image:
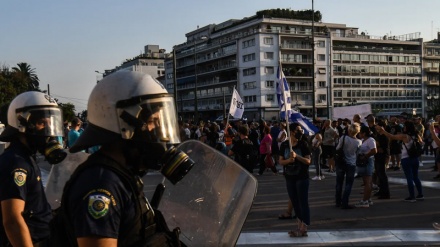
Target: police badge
column 98, row 205
column 20, row 176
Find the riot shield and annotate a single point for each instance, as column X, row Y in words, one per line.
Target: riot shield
column 211, row 203
column 59, row 174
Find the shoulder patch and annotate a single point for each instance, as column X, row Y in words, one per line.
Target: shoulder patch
column 98, row 205
column 20, row 176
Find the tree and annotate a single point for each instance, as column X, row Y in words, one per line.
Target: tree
column 68, row 111
column 26, row 75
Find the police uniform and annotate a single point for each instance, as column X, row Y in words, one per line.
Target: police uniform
column 20, row 178
column 100, row 203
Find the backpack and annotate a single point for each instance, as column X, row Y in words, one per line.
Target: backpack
column 416, row 149
column 247, row 155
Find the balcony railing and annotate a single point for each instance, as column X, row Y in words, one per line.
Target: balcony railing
column 217, row 67
column 289, row 60
column 296, row 46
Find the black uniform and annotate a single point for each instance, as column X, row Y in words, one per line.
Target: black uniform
column 99, row 202
column 20, row 178
column 106, row 199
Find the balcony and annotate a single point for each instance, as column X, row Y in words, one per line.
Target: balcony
column 432, row 69
column 296, row 46
column 431, row 83
column 296, row 61
column 219, row 67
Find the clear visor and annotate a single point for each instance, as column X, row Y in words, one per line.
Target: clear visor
column 158, row 119
column 42, row 121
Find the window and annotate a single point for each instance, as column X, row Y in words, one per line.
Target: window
column 270, row 70
column 248, row 43
column 249, row 57
column 321, row 43
column 269, row 84
column 321, row 57
column 170, row 76
column 268, row 41
column 251, row 98
column 249, row 85
column 321, row 70
column 322, row 98
column 268, row 55
column 250, row 71
column 322, row 84
column 269, row 97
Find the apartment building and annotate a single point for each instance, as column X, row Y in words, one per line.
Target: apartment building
column 150, row 62
column 333, row 66
column 431, row 69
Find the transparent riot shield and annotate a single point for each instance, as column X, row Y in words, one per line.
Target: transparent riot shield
column 59, row 174
column 211, row 203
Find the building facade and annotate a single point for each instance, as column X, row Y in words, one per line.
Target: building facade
column 150, row 62
column 431, row 75
column 331, row 67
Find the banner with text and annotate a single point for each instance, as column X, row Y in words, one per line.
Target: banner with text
column 237, row 106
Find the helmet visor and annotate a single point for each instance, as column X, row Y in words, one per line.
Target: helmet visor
column 46, row 121
column 157, row 120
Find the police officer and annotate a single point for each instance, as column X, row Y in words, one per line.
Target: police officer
column 35, row 124
column 132, row 117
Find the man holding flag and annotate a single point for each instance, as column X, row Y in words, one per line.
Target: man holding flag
column 236, row 109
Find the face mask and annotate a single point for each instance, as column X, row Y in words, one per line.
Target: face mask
column 298, row 135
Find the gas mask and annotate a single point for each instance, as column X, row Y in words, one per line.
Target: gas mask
column 154, row 134
column 44, row 131
column 50, row 147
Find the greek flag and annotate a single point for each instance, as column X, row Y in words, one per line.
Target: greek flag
column 283, row 95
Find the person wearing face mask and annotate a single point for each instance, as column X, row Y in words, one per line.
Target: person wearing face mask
column 295, row 159
column 132, row 117
column 34, row 125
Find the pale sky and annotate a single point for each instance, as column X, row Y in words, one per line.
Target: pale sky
column 66, row 41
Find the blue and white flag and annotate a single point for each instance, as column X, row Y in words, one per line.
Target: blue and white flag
column 283, row 95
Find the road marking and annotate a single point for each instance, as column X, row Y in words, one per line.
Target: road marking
column 341, row 236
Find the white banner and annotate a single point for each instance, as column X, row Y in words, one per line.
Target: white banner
column 349, row 111
column 237, row 106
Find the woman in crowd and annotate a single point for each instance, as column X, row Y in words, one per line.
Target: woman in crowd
column 351, row 146
column 316, row 154
column 266, row 149
column 296, row 163
column 365, row 164
column 410, row 165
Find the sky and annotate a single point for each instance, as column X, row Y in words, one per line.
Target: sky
column 67, row 41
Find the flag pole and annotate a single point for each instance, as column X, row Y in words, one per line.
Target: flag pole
column 286, row 117
column 229, row 112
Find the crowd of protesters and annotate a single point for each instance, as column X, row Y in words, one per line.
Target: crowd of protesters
column 371, row 146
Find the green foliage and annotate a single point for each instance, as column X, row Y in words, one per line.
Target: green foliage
column 20, row 79
column 68, row 111
column 290, row 14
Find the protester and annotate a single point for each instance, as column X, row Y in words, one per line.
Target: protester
column 132, row 117
column 380, row 159
column 346, row 171
column 266, row 150
column 243, row 150
column 34, row 125
column 296, row 162
column 316, row 155
column 365, row 164
column 328, row 144
column 75, row 131
column 410, row 165
column 395, row 145
column 436, row 139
